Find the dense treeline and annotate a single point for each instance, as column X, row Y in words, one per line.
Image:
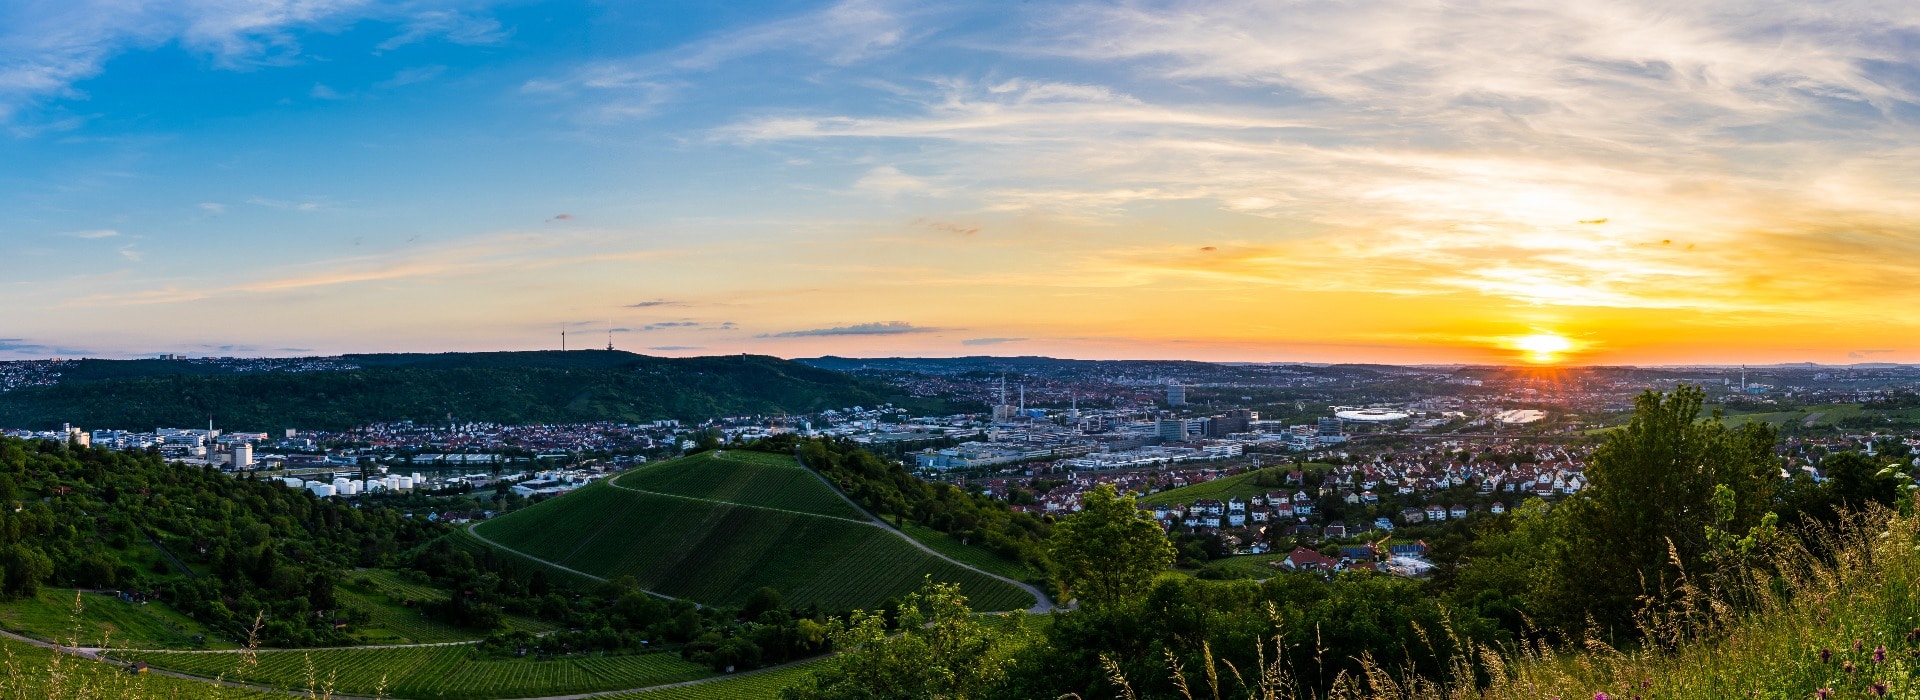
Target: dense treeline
column 510, row 388
column 225, row 551
column 887, row 489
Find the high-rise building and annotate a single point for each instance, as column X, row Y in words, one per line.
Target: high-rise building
column 1330, row 427
column 1176, row 394
column 242, row 455
column 1235, row 421
column 1171, row 429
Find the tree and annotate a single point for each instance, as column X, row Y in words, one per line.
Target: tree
column 1854, row 480
column 940, row 651
column 1110, row 552
column 761, row 601
column 25, row 567
column 1651, row 503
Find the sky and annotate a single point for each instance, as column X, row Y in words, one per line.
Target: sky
column 1630, row 182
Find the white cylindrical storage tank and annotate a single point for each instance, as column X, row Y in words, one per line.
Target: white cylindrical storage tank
column 321, row 490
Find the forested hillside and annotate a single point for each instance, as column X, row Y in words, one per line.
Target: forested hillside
column 515, row 388
column 221, row 549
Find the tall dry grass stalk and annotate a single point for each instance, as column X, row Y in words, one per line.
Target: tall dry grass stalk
column 1789, row 623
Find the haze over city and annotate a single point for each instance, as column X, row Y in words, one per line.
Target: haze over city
column 1619, row 183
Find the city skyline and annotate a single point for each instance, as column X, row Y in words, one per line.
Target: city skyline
column 1482, row 182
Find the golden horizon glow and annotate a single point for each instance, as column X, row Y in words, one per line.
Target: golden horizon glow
column 1542, row 348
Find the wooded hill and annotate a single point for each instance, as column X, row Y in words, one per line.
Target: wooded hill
column 504, row 387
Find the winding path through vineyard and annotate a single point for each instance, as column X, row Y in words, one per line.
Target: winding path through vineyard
column 1043, row 604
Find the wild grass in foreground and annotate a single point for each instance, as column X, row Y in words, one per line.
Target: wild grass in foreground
column 37, row 672
column 1843, row 625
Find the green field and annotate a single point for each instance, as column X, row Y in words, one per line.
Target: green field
column 429, row 672
column 393, row 605
column 972, row 555
column 1255, row 565
column 1236, row 486
column 106, row 619
column 740, row 476
column 720, row 553
column 1825, row 416
column 764, row 685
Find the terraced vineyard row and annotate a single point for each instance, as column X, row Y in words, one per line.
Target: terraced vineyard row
column 739, row 476
column 765, row 685
column 756, row 457
column 718, row 553
column 431, row 672
column 394, row 608
column 389, row 623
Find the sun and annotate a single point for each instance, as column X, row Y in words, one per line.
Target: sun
column 1542, row 348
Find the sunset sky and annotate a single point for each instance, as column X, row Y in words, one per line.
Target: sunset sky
column 1627, row 182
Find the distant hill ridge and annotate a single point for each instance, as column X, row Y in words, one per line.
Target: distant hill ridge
column 500, row 387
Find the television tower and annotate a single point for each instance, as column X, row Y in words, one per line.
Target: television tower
column 563, row 337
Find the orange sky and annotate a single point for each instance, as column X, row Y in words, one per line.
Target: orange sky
column 1641, row 182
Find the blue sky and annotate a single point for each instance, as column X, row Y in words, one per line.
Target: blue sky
column 1415, row 181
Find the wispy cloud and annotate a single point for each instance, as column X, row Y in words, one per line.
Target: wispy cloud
column 284, row 204
column 883, row 328
column 94, row 234
column 46, row 48
column 409, row 76
column 841, row 34
column 489, row 255
column 948, row 227
column 1637, row 155
column 452, row 26
column 653, row 303
column 990, row 341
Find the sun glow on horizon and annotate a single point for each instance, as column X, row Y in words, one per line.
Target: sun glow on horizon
column 1542, row 348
